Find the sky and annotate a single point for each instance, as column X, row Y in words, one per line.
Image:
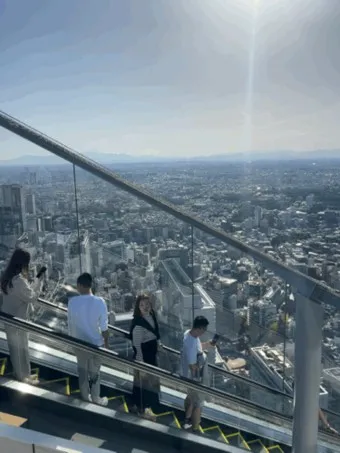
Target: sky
column 172, row 77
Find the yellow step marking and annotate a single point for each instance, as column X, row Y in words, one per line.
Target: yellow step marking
column 111, row 398
column 275, row 449
column 122, row 397
column 67, row 384
column 240, row 438
column 35, row 371
column 126, row 407
column 218, row 429
column 3, row 364
column 260, row 444
column 177, row 423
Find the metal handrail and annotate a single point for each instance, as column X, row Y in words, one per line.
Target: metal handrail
column 308, row 287
column 107, row 355
column 243, row 379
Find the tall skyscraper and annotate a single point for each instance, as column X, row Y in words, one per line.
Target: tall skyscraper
column 12, row 213
column 30, row 204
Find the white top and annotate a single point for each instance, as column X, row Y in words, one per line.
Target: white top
column 192, row 346
column 141, row 335
column 20, row 296
column 87, row 318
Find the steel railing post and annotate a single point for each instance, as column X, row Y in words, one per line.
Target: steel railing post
column 308, row 344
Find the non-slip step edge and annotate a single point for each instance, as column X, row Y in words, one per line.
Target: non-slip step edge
column 68, row 407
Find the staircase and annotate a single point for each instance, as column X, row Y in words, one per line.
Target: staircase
column 58, row 382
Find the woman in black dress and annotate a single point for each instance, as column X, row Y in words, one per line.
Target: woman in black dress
column 145, row 338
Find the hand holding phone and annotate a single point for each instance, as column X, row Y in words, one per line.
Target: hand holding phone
column 41, row 272
column 215, row 339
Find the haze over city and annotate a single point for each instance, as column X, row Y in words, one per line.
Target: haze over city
column 184, row 256
column 183, row 78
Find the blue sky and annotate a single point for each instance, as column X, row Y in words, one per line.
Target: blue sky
column 172, row 77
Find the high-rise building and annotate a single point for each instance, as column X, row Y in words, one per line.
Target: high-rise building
column 12, row 213
column 258, row 215
column 271, row 367
column 47, row 223
column 30, row 204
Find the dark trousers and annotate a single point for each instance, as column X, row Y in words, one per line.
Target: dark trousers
column 145, row 392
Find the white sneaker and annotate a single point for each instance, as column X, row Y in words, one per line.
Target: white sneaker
column 187, row 424
column 149, row 414
column 32, row 380
column 102, row 401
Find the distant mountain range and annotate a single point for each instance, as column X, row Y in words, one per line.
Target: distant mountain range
column 106, row 158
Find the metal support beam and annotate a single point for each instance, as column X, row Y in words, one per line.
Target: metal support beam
column 308, row 344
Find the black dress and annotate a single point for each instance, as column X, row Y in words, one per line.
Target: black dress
column 145, row 392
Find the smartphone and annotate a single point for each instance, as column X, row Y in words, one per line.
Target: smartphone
column 41, row 272
column 215, row 339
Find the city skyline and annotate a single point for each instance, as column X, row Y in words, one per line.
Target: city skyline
column 197, row 78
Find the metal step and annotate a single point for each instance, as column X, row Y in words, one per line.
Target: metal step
column 58, row 382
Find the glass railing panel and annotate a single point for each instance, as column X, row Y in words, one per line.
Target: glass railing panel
column 254, row 313
column 235, row 383
column 154, row 389
column 38, row 214
column 329, row 417
column 48, row 315
column 132, row 248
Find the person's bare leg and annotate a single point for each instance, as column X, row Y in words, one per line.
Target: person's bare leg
column 188, row 408
column 196, row 418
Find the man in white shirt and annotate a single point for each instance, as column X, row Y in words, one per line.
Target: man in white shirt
column 88, row 321
column 192, row 363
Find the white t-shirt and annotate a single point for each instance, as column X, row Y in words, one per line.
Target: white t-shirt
column 191, row 347
column 87, row 318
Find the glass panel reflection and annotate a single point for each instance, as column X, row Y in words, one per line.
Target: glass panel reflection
column 127, row 387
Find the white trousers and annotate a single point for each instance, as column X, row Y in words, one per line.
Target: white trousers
column 17, row 341
column 89, row 375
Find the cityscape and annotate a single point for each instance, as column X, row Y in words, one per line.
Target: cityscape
column 72, row 222
column 186, row 155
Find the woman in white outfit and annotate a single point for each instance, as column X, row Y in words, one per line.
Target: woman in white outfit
column 18, row 295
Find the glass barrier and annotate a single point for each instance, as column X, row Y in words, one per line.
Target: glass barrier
column 154, row 394
column 53, row 210
column 133, row 248
column 220, row 379
column 250, row 309
column 38, row 213
column 330, row 362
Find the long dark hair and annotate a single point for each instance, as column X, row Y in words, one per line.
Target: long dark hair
column 136, row 311
column 138, row 319
column 19, row 261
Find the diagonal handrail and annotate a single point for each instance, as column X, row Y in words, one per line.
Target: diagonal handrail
column 222, row 371
column 309, row 288
column 124, row 333
column 107, row 355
